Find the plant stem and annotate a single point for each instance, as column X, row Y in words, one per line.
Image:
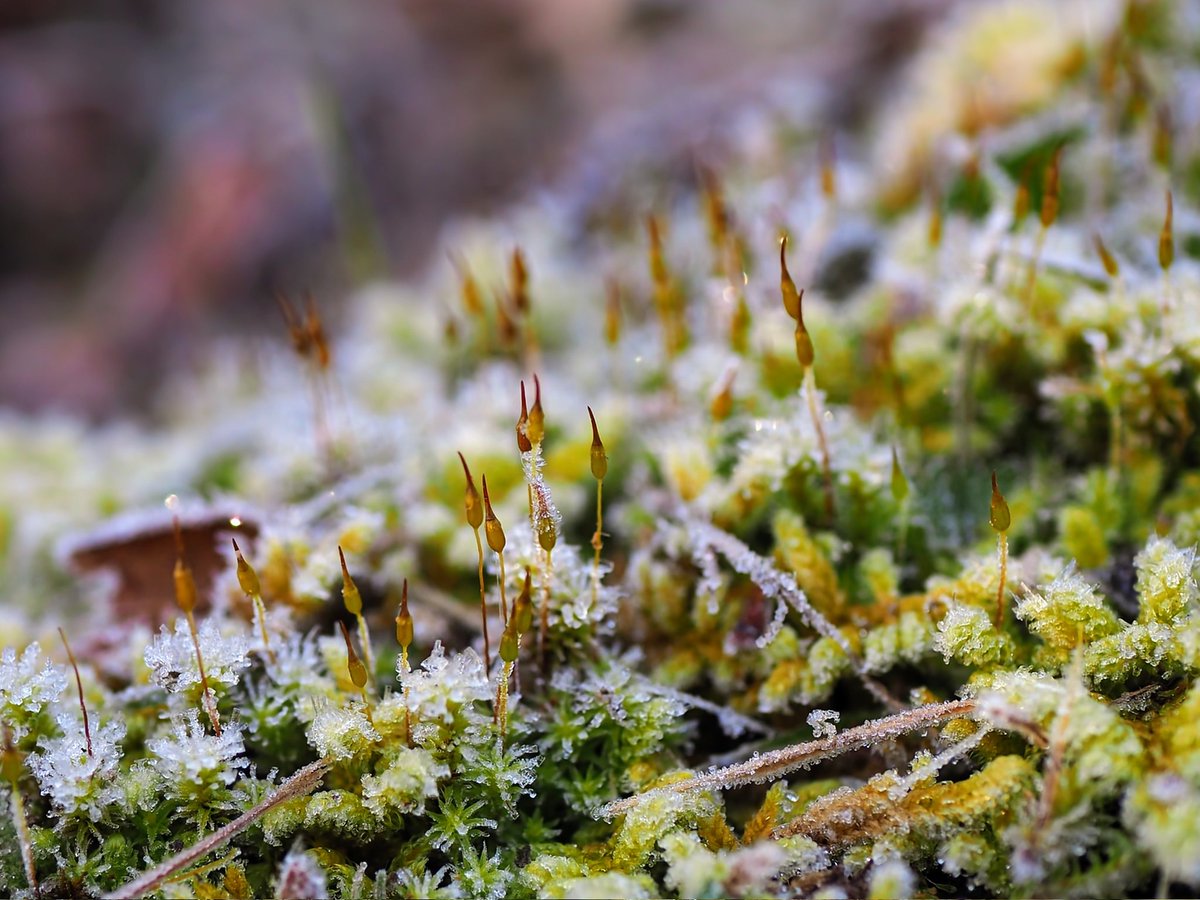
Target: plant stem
column 1003, row 549
column 487, row 646
column 810, row 389
column 787, row 759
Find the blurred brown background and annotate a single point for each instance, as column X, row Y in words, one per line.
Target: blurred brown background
column 166, row 164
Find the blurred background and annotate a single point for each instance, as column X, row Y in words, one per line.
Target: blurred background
column 167, row 165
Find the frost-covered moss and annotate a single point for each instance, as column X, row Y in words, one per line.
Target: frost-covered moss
column 786, row 582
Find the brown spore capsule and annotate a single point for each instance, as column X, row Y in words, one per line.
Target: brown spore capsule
column 350, row 594
column 1166, row 237
column 999, row 516
column 404, row 621
column 523, row 442
column 471, row 504
column 492, row 527
column 535, row 428
column 787, row 287
column 522, row 616
column 598, row 456
column 246, row 576
column 358, row 672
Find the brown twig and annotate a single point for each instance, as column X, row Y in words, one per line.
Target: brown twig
column 787, row 759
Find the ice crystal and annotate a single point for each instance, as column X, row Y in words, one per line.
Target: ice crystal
column 26, row 685
column 77, row 781
column 190, row 760
column 341, row 732
column 823, row 722
column 171, row 656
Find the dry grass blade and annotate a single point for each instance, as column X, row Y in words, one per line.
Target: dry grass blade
column 780, row 762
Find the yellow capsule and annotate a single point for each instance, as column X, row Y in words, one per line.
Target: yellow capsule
column 523, row 442
column 471, row 497
column 1166, row 237
column 791, row 298
column 1050, row 190
column 804, row 345
column 599, row 457
column 1106, row 257
column 612, row 311
column 998, row 515
column 899, row 482
column 522, row 617
column 358, row 672
column 246, row 575
column 658, row 263
column 472, row 296
column 546, row 534
column 492, row 527
column 508, row 644
column 350, row 595
column 535, row 428
column 185, row 582
column 739, row 327
column 404, row 621
column 520, row 281
column 1020, row 204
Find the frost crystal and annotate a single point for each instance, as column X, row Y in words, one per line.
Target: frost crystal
column 189, row 757
column 341, row 732
column 25, row 687
column 171, row 656
column 823, row 722
column 73, row 780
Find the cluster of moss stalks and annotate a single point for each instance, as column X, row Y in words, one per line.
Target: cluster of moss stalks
column 844, row 545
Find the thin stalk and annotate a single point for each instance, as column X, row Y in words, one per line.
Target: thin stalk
column 810, row 389
column 503, row 599
column 260, row 613
column 598, row 541
column 301, row 783
column 544, row 623
column 87, row 728
column 365, row 640
column 487, row 646
column 1003, row 550
column 208, row 700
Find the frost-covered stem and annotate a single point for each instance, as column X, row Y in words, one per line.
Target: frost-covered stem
column 487, row 645
column 597, row 541
column 501, row 714
column 208, row 701
column 407, row 712
column 503, row 599
column 21, row 824
column 260, row 613
column 1003, row 550
column 298, row 785
column 774, row 583
column 810, row 389
column 544, row 623
column 787, row 759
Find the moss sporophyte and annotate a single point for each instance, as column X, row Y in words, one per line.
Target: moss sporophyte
column 755, row 634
